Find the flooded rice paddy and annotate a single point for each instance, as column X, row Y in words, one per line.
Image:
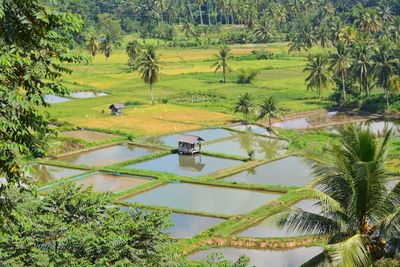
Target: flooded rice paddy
column 87, row 94
column 108, row 155
column 55, row 99
column 208, row 135
column 377, row 127
column 45, row 173
column 260, row 258
column 318, row 120
column 90, row 136
column 188, row 225
column 105, row 182
column 200, row 198
column 291, row 171
column 186, row 165
column 256, row 129
column 268, row 228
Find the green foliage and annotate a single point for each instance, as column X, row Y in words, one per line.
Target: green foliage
column 244, row 105
column 387, row 262
column 222, row 62
column 269, row 109
column 319, row 77
column 72, row 226
column 218, row 260
column 246, row 76
column 31, row 56
column 360, row 215
column 149, row 67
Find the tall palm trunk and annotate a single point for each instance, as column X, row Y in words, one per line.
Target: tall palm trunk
column 343, row 87
column 386, row 96
column 190, row 9
column 224, row 71
column 209, row 13
column 151, row 93
column 201, row 15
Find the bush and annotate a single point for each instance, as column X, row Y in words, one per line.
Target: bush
column 386, row 262
column 246, row 76
column 262, row 54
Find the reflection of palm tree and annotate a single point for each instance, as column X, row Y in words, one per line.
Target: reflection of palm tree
column 41, row 173
column 271, row 148
column 245, row 140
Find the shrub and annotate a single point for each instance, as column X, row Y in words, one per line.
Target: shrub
column 262, row 54
column 246, row 76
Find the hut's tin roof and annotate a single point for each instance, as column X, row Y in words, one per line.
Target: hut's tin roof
column 189, row 139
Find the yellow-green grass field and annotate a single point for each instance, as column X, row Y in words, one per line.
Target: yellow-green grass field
column 186, row 72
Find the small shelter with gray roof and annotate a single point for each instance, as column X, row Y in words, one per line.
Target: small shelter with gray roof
column 116, row 108
column 189, row 144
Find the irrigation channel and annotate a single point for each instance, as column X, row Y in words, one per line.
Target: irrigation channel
column 220, row 200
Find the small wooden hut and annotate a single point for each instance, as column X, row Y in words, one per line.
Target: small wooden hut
column 116, row 109
column 189, row 144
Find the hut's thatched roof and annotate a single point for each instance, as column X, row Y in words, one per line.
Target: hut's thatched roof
column 189, row 139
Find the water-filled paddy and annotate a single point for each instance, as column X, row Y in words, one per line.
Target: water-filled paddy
column 87, row 94
column 188, row 225
column 104, row 182
column 269, row 228
column 108, row 155
column 256, row 129
column 377, row 127
column 208, row 135
column 186, row 165
column 318, row 119
column 240, row 143
column 202, row 198
column 90, row 136
column 46, row 173
column 55, row 99
column 291, row 171
column 260, row 258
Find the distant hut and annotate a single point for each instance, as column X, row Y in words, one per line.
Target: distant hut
column 116, row 109
column 189, row 144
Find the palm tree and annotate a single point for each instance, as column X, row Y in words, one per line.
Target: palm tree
column 264, row 30
column 149, row 67
column 199, row 4
column 340, row 63
column 385, row 65
column 360, row 216
column 348, row 35
column 222, row 58
column 188, row 29
column 107, row 46
column 319, row 77
column 190, row 9
column 362, row 66
column 280, row 13
column 93, row 45
column 244, row 105
column 268, row 108
column 133, row 50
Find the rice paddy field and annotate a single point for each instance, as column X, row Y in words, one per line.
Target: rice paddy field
column 220, row 200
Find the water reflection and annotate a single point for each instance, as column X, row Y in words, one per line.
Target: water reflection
column 202, row 198
column 186, row 165
column 46, row 173
column 187, row 225
column 378, row 127
column 104, row 182
column 253, row 128
column 108, row 155
column 271, row 258
column 291, row 171
column 87, row 94
column 54, row 99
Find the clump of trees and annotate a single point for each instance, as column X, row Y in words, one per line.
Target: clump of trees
column 246, row 76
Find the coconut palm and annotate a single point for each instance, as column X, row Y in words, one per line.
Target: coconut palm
column 188, row 29
column 133, row 50
column 348, row 35
column 222, row 62
column 360, row 216
column 199, row 4
column 319, row 76
column 264, row 30
column 93, row 45
column 107, row 46
column 244, row 105
column 385, row 65
column 362, row 66
column 269, row 109
column 149, row 67
column 340, row 63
